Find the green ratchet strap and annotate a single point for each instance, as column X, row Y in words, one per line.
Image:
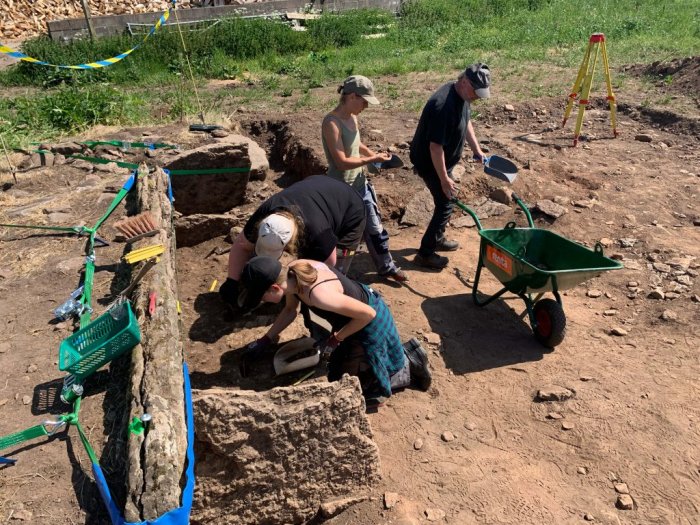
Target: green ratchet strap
column 125, row 144
column 203, row 171
column 34, row 432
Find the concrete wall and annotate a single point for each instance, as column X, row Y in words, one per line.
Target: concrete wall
column 65, row 30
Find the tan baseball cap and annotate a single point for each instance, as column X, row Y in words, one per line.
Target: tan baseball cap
column 361, row 86
column 274, row 232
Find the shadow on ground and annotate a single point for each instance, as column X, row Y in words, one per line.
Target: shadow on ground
column 476, row 339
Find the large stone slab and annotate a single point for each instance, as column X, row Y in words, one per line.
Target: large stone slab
column 216, row 193
column 273, row 457
column 419, row 209
column 156, row 458
column 194, row 229
column 259, row 165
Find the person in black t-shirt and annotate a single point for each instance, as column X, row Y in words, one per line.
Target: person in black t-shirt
column 309, row 220
column 436, row 149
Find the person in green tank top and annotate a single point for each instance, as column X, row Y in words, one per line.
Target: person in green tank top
column 347, row 157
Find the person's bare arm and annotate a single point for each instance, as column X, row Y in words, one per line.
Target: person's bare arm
column 241, row 252
column 473, row 143
column 437, row 155
column 285, row 317
column 334, row 140
column 332, row 300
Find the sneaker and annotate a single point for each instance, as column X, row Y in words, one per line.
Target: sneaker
column 397, row 275
column 443, row 245
column 434, row 261
column 421, row 377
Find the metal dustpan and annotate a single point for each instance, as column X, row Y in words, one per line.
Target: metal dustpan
column 394, row 162
column 501, row 168
column 296, row 355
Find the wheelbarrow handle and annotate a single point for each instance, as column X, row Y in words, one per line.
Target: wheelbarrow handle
column 524, row 207
column 467, row 209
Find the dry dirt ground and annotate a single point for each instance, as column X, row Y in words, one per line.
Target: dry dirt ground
column 478, row 447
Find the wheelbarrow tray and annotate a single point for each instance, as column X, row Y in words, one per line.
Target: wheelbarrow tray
column 532, row 260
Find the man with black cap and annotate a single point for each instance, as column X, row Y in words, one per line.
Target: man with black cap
column 436, row 149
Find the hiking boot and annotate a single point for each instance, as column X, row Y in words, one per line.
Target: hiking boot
column 443, row 245
column 418, row 363
column 397, row 275
column 434, row 261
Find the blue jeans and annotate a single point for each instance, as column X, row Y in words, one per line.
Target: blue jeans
column 376, row 237
column 441, row 214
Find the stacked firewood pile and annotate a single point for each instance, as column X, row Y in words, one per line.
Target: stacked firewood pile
column 21, row 19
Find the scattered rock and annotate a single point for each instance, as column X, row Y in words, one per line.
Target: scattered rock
column 621, row 488
column 594, row 293
column 59, row 218
column 328, row 509
column 624, row 502
column 4, row 347
column 609, row 313
column 588, row 517
column 656, row 294
column 669, row 315
column 26, row 400
column 643, row 137
column 458, row 171
column 3, row 402
column 432, row 338
column 509, row 108
column 661, row 267
column 434, row 514
column 586, row 378
column 418, row 444
column 502, row 195
column 419, row 210
column 71, row 265
column 447, row 436
column 582, row 470
column 219, row 133
column 550, row 208
column 555, row 415
column 583, row 204
column 695, row 298
column 554, row 393
column 684, row 280
column 23, row 515
column 470, row 426
column 618, row 331
column 567, row 425
column 32, row 368
column 606, row 243
column 390, row 500
column 627, row 242
column 632, row 284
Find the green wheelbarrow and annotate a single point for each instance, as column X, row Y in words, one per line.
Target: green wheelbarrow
column 530, row 262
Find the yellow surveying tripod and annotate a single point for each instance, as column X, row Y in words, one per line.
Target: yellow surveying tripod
column 582, row 85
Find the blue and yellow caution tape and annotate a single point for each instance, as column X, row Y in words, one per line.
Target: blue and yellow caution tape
column 92, row 65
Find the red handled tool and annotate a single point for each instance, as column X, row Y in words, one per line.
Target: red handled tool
column 151, row 303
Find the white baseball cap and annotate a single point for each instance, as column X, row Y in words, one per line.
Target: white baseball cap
column 274, row 232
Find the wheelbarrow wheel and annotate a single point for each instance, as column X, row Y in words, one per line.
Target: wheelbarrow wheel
column 550, row 320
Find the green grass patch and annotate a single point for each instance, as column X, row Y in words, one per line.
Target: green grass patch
column 442, row 36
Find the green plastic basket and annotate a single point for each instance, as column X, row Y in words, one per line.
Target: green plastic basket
column 103, row 340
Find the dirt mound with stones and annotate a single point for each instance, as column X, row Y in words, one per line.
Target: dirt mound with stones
column 678, row 76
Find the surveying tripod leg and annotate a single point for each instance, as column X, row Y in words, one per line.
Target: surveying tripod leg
column 576, row 89
column 611, row 97
column 587, row 81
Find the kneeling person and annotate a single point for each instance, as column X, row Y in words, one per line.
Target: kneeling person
column 364, row 341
